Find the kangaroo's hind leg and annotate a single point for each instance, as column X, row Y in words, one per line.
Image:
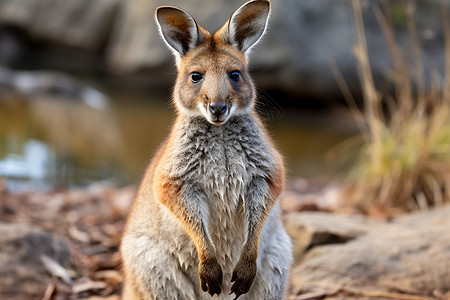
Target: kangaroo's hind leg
column 155, row 273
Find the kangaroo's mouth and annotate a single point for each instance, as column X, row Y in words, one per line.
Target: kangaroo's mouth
column 218, row 122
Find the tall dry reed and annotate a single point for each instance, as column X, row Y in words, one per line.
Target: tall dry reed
column 404, row 160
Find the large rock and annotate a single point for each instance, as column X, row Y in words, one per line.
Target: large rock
column 82, row 24
column 368, row 259
column 294, row 56
column 27, row 255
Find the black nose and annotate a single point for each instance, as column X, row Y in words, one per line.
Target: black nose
column 218, row 109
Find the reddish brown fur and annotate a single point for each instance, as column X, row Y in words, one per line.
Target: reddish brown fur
column 214, row 57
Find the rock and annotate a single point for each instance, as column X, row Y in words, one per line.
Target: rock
column 312, row 229
column 32, row 84
column 81, row 24
column 294, row 56
column 27, row 255
column 363, row 258
column 296, row 52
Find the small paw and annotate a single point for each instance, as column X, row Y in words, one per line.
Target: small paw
column 210, row 274
column 243, row 275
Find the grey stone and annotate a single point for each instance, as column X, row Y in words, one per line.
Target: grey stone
column 312, row 229
column 409, row 255
column 82, row 24
column 303, row 38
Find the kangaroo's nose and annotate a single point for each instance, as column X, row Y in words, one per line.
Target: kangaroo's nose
column 218, row 109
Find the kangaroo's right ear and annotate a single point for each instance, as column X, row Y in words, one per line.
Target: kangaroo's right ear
column 179, row 30
column 246, row 25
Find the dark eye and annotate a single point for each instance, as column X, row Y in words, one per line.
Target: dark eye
column 235, row 75
column 196, row 77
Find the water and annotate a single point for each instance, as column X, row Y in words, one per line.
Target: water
column 46, row 142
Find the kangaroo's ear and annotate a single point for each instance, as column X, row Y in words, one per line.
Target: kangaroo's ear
column 179, row 29
column 246, row 25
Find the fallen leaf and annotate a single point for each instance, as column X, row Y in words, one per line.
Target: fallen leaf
column 88, row 285
column 55, row 269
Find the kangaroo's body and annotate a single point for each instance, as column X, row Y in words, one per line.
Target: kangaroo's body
column 206, row 212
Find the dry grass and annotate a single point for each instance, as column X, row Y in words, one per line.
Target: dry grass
column 404, row 161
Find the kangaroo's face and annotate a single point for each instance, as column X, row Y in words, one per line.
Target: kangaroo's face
column 213, row 79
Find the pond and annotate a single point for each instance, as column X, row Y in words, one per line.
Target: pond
column 49, row 142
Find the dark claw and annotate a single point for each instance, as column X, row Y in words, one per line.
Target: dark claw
column 237, row 296
column 203, row 285
column 210, row 274
column 238, row 290
column 214, row 290
column 242, row 278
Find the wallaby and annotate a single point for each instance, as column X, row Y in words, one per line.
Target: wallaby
column 206, row 219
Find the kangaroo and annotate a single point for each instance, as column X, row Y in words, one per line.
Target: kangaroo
column 205, row 219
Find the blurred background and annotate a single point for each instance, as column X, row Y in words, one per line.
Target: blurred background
column 85, row 85
column 356, row 94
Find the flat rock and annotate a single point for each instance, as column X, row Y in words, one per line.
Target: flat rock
column 409, row 256
column 311, row 229
column 24, row 250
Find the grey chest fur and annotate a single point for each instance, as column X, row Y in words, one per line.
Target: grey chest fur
column 222, row 161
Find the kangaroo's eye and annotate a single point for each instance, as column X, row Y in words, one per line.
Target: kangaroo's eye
column 235, row 75
column 196, row 77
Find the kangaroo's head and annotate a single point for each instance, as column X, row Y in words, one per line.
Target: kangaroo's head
column 213, row 79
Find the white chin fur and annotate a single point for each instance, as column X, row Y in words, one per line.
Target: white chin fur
column 234, row 111
column 203, row 112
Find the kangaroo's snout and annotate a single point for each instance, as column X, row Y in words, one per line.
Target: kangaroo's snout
column 218, row 111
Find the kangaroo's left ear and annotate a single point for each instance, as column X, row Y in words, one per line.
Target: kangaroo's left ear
column 246, row 25
column 179, row 30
